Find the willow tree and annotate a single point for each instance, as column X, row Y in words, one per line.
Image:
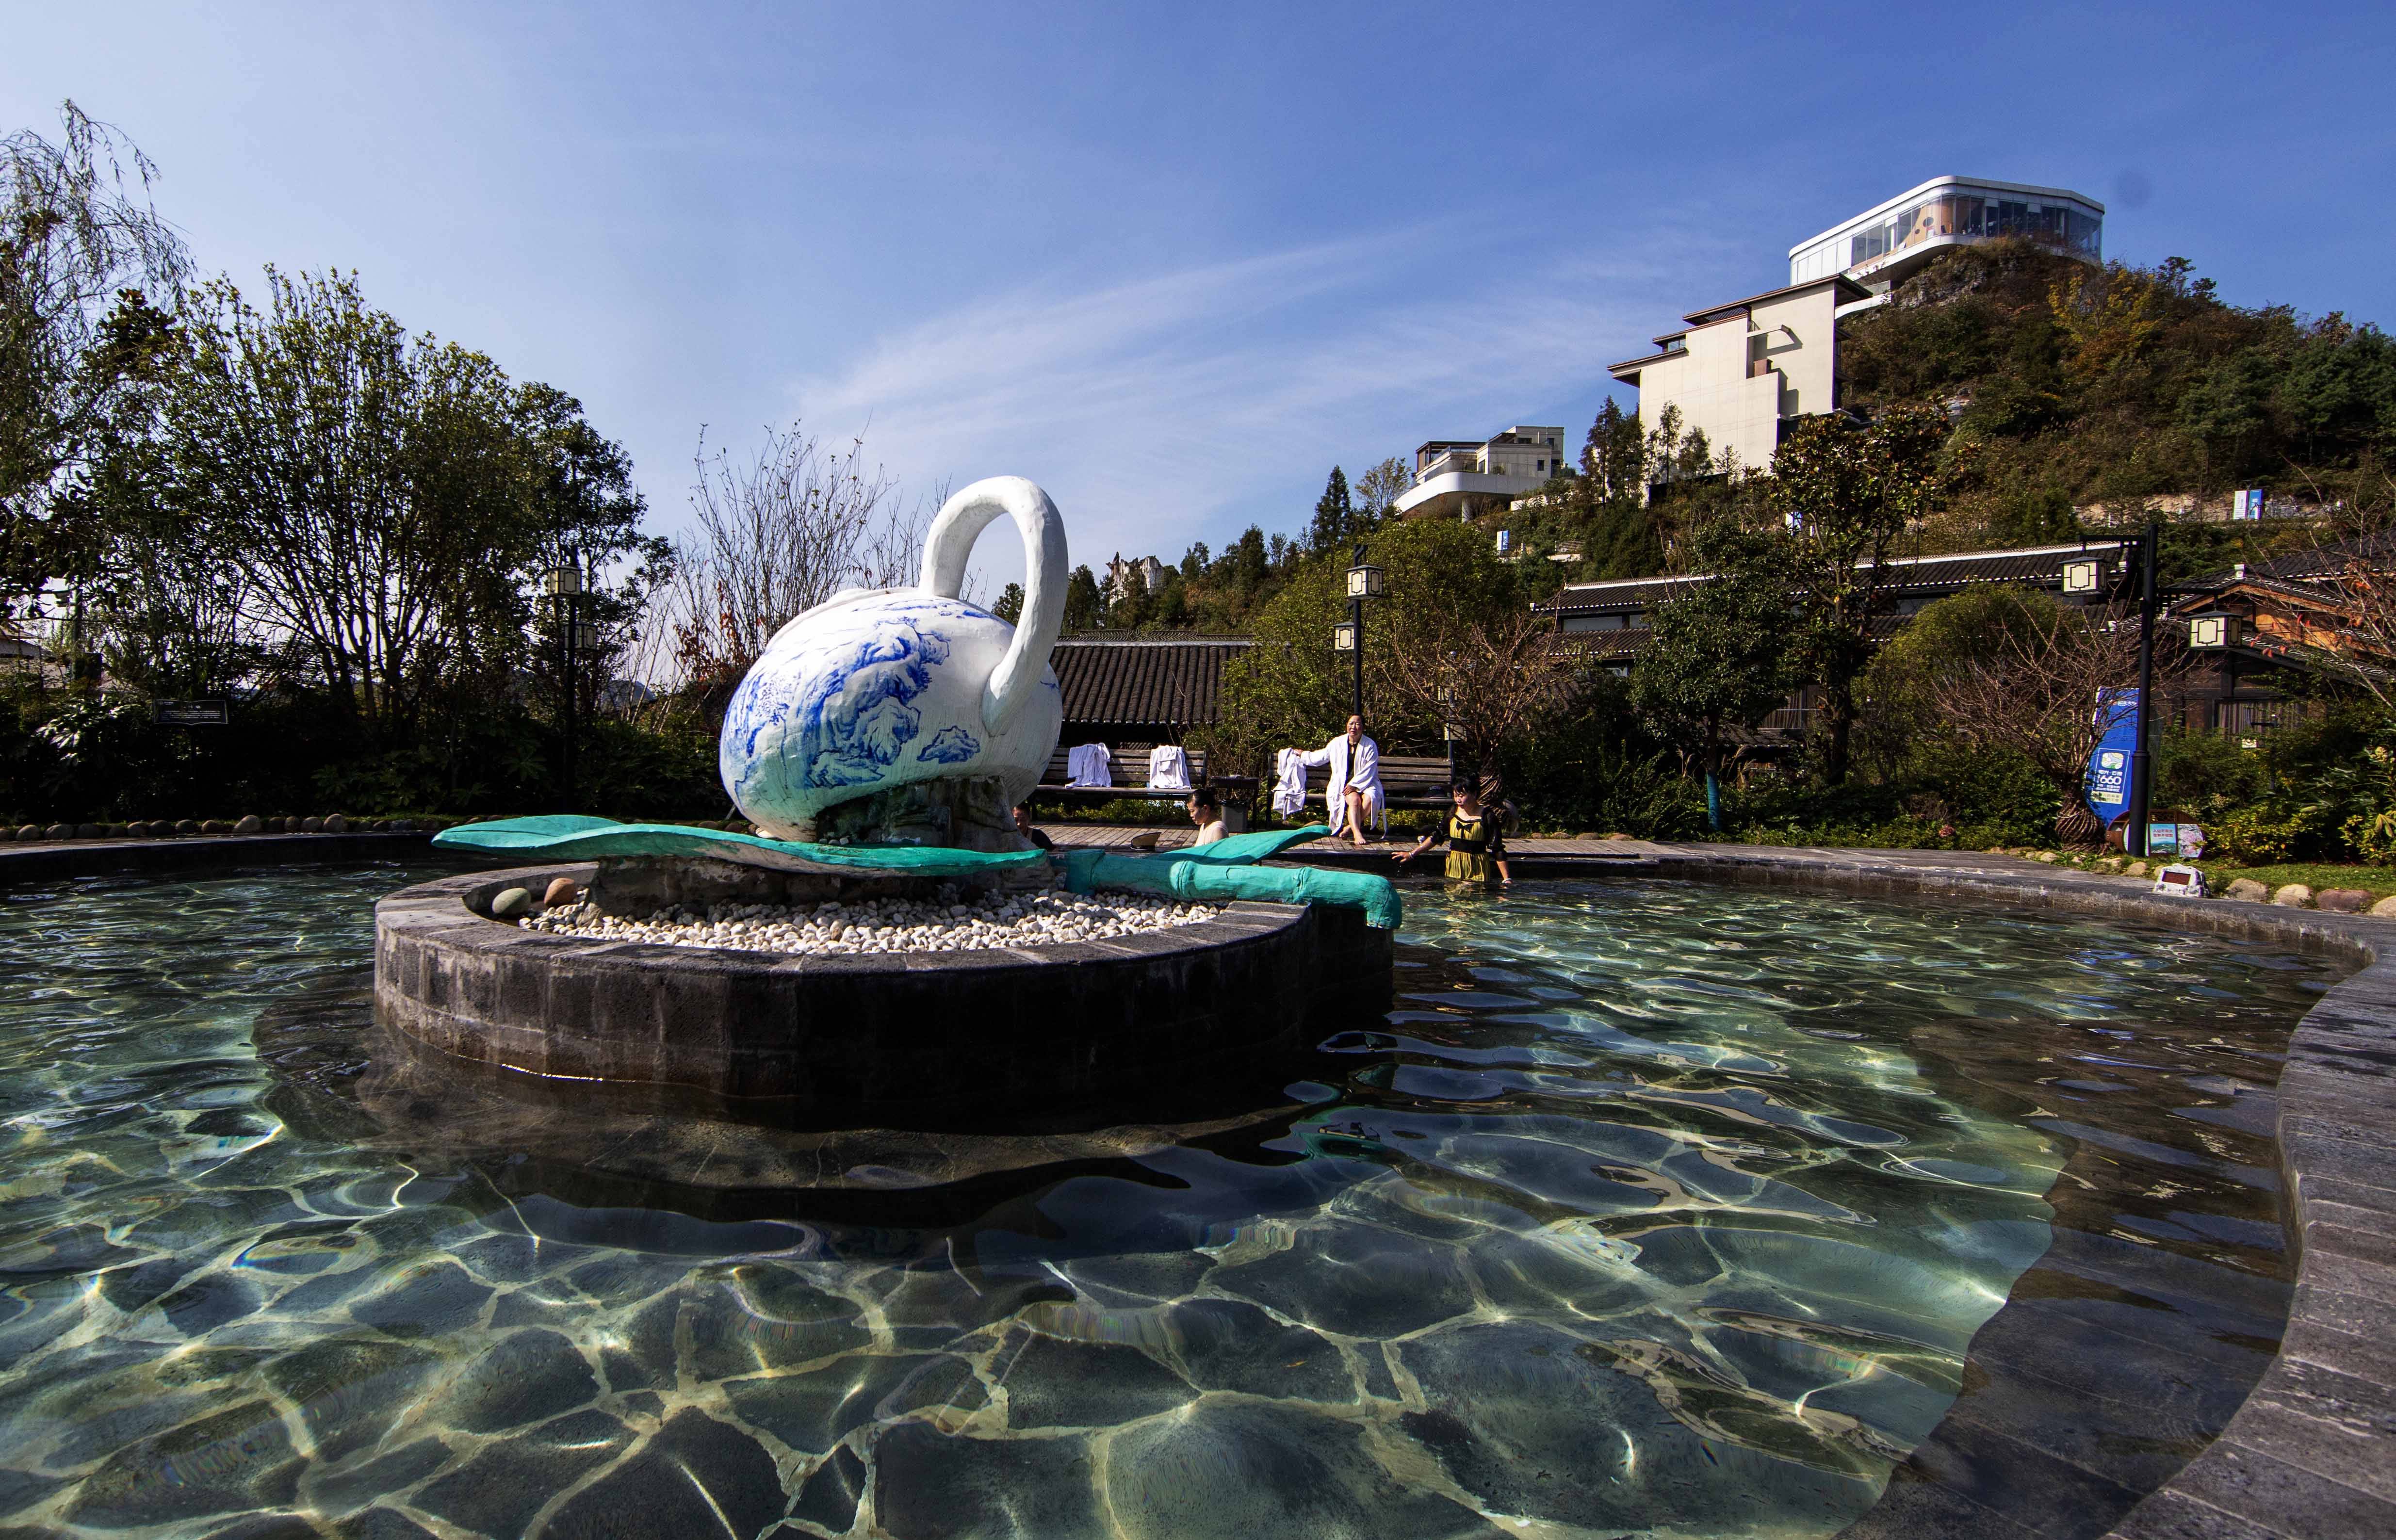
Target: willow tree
column 77, row 229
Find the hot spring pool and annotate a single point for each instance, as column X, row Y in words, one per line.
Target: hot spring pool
column 1653, row 1209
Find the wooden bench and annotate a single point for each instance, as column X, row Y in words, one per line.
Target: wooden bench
column 1129, row 766
column 1407, row 780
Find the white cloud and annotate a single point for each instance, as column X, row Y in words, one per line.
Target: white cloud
column 1185, row 405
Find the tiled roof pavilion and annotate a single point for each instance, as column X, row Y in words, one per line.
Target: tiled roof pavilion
column 1152, row 686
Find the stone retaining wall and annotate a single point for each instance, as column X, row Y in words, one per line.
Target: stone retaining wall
column 998, row 1030
column 28, row 863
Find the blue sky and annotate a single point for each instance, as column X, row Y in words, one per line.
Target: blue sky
column 1175, row 261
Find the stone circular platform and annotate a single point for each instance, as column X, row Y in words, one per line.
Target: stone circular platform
column 1026, row 1029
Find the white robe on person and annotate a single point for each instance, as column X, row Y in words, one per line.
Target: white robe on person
column 1361, row 772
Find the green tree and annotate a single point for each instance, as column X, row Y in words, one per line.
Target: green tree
column 1335, row 515
column 1009, row 608
column 1614, row 458
column 1951, row 634
column 1085, row 608
column 1720, row 654
column 76, row 231
column 1850, row 493
column 1378, row 491
column 386, row 502
column 1290, row 689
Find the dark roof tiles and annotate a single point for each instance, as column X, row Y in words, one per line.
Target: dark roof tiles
column 1162, row 682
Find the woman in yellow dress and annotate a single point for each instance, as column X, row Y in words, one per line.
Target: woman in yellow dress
column 1475, row 838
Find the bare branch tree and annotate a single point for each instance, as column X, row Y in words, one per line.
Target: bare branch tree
column 2035, row 694
column 2342, row 611
column 1489, row 676
column 778, row 533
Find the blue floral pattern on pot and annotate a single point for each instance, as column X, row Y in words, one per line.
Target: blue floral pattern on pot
column 873, row 690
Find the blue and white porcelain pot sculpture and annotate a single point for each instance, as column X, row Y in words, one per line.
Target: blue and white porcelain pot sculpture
column 872, row 691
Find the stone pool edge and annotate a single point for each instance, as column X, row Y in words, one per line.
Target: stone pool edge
column 2311, row 1453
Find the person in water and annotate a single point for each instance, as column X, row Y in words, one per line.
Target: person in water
column 1206, row 812
column 1475, row 838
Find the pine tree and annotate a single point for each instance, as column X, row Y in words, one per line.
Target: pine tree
column 1335, row 515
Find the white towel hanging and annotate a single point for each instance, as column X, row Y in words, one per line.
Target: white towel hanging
column 1169, row 768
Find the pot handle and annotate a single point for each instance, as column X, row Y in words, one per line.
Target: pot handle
column 951, row 540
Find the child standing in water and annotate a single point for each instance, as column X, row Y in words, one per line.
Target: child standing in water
column 1475, row 838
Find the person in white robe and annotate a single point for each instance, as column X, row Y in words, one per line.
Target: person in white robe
column 1353, row 797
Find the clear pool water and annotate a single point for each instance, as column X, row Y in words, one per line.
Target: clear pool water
column 1653, row 1210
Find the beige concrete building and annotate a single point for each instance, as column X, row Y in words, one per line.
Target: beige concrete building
column 1739, row 371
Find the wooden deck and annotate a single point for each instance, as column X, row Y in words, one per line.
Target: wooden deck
column 1117, row 837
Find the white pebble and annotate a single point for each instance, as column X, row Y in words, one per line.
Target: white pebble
column 885, row 926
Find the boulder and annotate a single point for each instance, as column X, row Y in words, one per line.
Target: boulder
column 2386, row 907
column 59, row 832
column 513, row 904
column 251, row 824
column 2046, row 855
column 561, row 891
column 336, row 824
column 90, row 832
column 28, row 831
column 215, row 826
column 2248, row 890
column 186, row 826
column 2343, row 900
column 2135, row 868
column 311, row 826
column 2294, row 896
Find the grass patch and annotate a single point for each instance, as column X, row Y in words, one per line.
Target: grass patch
column 2379, row 882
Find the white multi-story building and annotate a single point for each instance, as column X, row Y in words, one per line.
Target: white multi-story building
column 1455, row 479
column 1148, row 570
column 1739, row 371
column 1880, row 246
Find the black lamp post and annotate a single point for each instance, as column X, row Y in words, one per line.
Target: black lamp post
column 563, row 584
column 1364, row 583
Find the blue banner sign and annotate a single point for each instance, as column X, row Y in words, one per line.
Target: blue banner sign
column 2109, row 767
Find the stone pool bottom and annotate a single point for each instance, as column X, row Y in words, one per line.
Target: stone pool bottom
column 1654, row 1210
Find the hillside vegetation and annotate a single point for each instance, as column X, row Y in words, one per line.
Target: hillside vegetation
column 2068, row 388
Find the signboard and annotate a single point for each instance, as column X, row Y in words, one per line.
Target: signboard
column 2247, row 504
column 2109, row 767
column 193, row 713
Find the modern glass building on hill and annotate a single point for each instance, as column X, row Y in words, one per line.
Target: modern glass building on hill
column 1878, row 248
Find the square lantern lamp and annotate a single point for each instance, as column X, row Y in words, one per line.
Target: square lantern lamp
column 2214, row 628
column 2083, row 575
column 562, row 582
column 1343, row 637
column 586, row 637
column 1364, row 582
